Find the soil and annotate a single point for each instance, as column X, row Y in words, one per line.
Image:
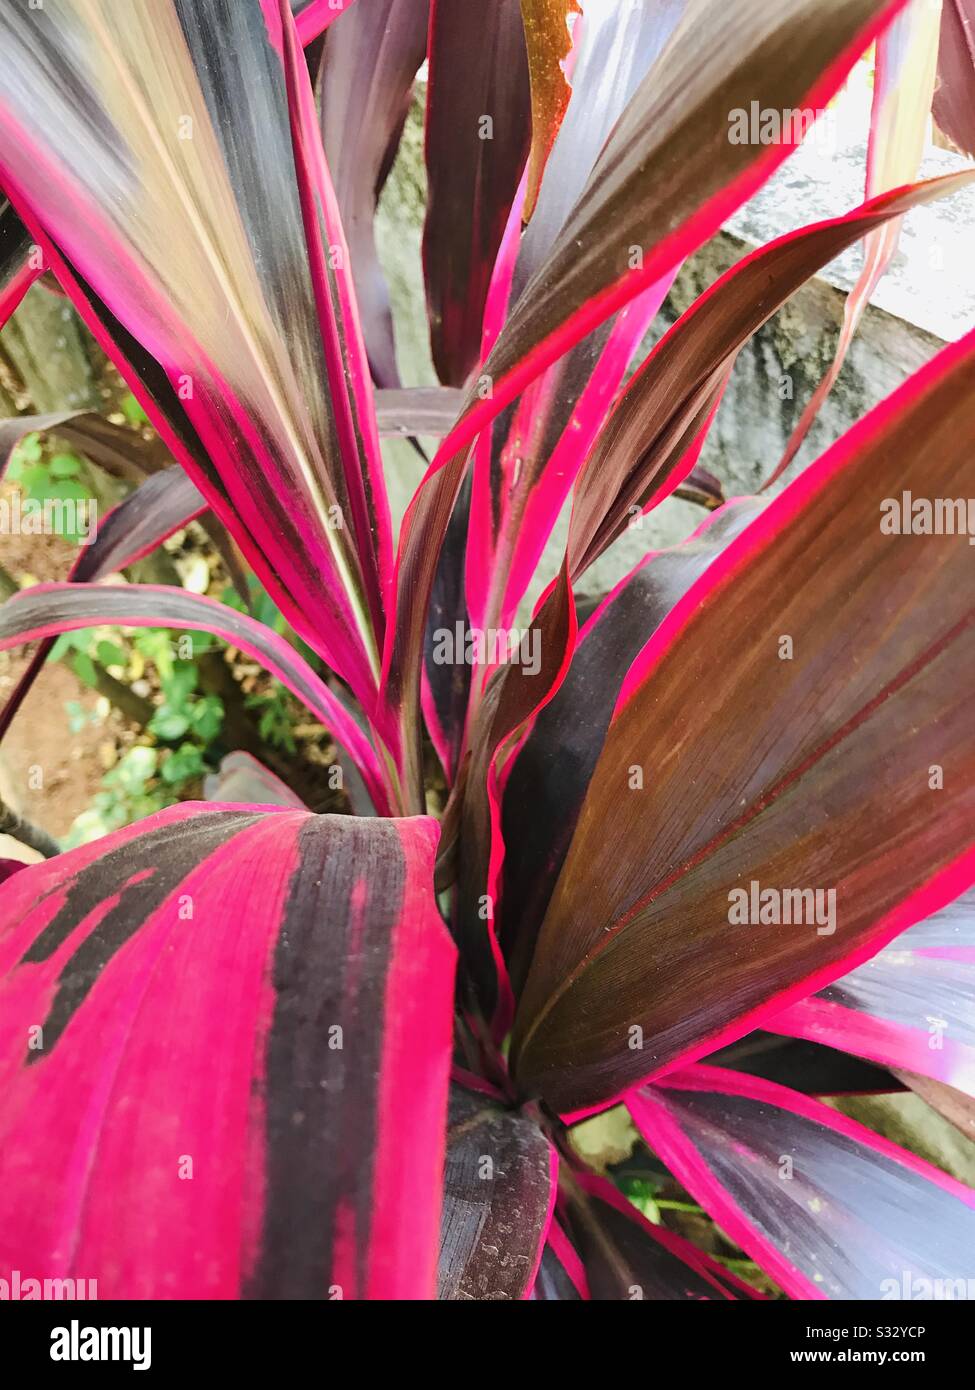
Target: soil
column 48, row 774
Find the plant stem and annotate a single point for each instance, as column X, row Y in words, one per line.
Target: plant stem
column 122, row 696
column 27, row 833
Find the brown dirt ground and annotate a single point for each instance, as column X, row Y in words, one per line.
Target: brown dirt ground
column 71, row 764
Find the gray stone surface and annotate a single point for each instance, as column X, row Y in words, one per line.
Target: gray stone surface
column 927, row 297
column 45, row 347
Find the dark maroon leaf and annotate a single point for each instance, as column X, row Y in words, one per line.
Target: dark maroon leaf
column 9, row 867
column 552, row 769
column 766, row 785
column 477, row 137
column 499, row 1192
column 954, row 94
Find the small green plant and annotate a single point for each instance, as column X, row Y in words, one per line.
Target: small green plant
column 184, row 710
column 48, row 474
column 274, row 718
column 80, row 650
column 185, row 726
column 130, row 790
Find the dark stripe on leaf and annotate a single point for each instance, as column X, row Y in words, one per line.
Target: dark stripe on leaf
column 142, row 874
column 321, row 1104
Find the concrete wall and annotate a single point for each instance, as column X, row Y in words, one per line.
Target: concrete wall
column 927, row 298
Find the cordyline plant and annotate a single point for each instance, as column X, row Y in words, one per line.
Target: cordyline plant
column 697, row 849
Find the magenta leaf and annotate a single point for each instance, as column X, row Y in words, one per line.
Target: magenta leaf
column 302, row 956
column 313, row 17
